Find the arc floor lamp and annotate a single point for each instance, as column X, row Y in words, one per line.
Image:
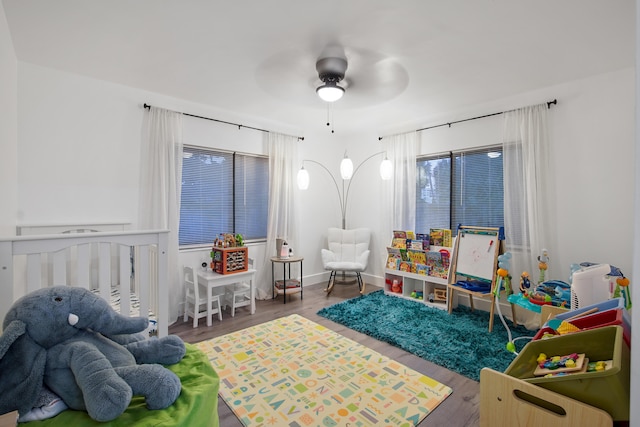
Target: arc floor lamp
column 346, row 173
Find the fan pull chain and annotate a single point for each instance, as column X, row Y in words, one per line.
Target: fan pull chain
column 328, row 120
column 330, row 116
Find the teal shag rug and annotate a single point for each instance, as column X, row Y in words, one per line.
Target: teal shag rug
column 459, row 341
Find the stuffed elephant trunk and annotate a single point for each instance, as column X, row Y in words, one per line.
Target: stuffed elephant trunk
column 97, row 314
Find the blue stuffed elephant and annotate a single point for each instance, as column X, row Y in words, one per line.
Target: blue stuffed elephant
column 70, row 340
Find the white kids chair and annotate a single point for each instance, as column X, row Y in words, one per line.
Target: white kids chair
column 238, row 294
column 195, row 299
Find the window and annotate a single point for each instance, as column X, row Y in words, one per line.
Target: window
column 222, row 192
column 460, row 188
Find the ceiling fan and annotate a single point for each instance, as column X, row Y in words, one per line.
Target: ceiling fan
column 369, row 77
column 331, row 71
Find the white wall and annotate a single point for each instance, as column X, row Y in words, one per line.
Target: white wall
column 78, row 148
column 8, row 129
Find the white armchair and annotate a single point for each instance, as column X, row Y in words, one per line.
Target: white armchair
column 348, row 252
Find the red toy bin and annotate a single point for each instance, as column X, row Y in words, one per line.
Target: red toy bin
column 596, row 320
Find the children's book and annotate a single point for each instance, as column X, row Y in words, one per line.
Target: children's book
column 422, row 269
column 436, row 237
column 393, row 263
column 411, row 235
column 417, row 256
column 399, row 242
column 393, row 258
column 424, row 240
column 446, row 237
column 405, row 266
column 446, row 256
column 394, row 251
column 436, row 265
column 399, row 234
column 417, row 245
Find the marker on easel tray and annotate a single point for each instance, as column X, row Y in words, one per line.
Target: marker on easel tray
column 490, row 244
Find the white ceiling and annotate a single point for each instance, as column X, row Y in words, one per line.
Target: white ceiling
column 409, row 60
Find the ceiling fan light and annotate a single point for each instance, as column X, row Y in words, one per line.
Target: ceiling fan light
column 330, row 92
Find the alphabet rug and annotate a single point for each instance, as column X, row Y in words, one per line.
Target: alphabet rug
column 296, row 373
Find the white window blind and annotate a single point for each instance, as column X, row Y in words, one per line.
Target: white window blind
column 433, row 193
column 251, row 196
column 222, row 192
column 460, row 188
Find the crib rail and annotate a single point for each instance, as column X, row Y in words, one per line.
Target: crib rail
column 28, row 263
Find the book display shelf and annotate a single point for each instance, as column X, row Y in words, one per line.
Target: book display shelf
column 418, row 266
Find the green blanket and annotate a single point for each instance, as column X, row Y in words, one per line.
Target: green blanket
column 197, row 405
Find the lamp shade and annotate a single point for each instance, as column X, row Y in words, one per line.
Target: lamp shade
column 346, row 168
column 303, row 179
column 330, row 92
column 386, row 169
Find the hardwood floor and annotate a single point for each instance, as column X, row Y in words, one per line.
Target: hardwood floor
column 462, row 408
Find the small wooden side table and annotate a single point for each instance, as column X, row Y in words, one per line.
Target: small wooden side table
column 286, row 276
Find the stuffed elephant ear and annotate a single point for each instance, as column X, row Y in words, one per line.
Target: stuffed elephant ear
column 22, row 364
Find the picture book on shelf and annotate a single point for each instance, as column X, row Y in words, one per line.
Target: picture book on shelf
column 399, row 234
column 446, row 238
column 399, row 242
column 393, row 263
column 445, row 255
column 415, row 244
column 440, row 237
column 405, row 266
column 394, row 257
column 436, row 264
column 424, row 240
column 436, row 237
column 422, row 269
column 417, row 256
column 394, row 251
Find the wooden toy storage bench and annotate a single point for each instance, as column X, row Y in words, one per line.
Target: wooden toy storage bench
column 506, row 401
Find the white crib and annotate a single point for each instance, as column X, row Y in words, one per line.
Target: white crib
column 137, row 258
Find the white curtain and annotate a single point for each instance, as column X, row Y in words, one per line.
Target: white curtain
column 160, row 186
column 526, row 190
column 283, row 206
column 399, row 194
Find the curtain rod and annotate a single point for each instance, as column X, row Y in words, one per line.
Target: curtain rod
column 549, row 103
column 301, row 138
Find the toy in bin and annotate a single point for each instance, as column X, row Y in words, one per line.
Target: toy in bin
column 396, row 286
column 555, row 365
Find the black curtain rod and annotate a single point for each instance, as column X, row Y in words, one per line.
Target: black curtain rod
column 549, row 103
column 301, row 138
